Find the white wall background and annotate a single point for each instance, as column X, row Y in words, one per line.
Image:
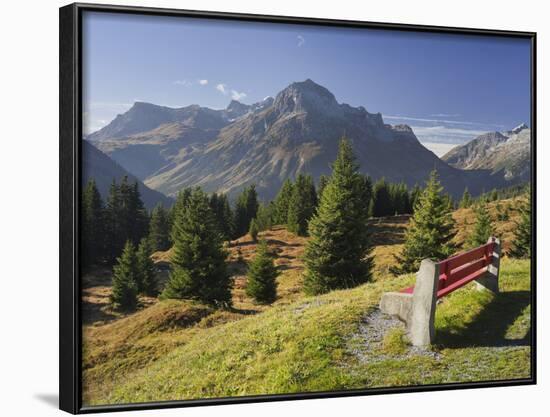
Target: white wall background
column 29, row 204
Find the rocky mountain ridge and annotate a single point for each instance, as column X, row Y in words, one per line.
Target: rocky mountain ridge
column 267, row 142
column 507, row 153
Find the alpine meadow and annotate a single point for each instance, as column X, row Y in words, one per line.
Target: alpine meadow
column 246, row 231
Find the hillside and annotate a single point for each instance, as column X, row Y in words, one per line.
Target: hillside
column 506, row 152
column 182, row 350
column 98, row 166
column 267, row 142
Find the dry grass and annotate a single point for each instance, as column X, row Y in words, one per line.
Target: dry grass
column 119, row 348
column 504, row 229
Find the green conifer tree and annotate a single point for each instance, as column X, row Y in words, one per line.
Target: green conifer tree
column 323, row 181
column 147, row 279
column 368, row 191
column 264, row 217
column 430, row 231
column 521, row 247
column 466, row 200
column 137, row 218
column 115, row 236
column 159, row 229
column 302, row 205
column 382, row 199
column 282, row 201
column 245, row 210
column 125, row 277
column 93, row 233
column 483, row 227
column 253, row 230
column 199, row 269
column 261, row 277
column 338, row 253
column 415, row 193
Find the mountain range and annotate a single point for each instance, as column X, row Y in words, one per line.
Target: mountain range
column 103, row 170
column 507, row 153
column 295, row 132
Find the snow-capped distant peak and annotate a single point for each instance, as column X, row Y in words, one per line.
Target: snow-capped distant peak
column 519, row 128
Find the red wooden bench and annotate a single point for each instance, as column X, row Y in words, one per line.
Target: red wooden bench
column 416, row 305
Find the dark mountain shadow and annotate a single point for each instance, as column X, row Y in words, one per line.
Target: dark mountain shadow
column 489, row 328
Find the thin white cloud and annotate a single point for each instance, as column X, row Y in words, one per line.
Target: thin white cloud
column 222, row 88
column 301, row 41
column 91, row 124
column 444, row 134
column 203, row 82
column 235, row 95
column 445, row 115
column 183, row 83
column 420, row 119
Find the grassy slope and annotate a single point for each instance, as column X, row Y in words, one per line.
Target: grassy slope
column 182, row 350
column 315, row 344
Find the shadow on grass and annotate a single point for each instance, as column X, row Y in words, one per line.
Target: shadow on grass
column 95, row 312
column 489, row 327
column 388, row 230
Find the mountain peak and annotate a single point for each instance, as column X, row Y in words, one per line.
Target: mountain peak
column 311, row 86
column 304, row 96
column 519, row 128
column 143, row 105
column 236, row 105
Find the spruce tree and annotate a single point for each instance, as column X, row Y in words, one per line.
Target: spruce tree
column 282, row 201
column 382, row 199
column 338, row 253
column 399, row 196
column 159, row 229
column 253, row 230
column 430, row 231
column 302, row 205
column 224, row 217
column 93, row 233
column 415, row 193
column 323, row 181
column 483, row 227
column 264, row 217
column 199, row 269
column 521, row 247
column 466, row 200
column 125, row 277
column 368, row 191
column 261, row 277
column 245, row 210
column 147, row 280
column 115, row 236
column 138, row 219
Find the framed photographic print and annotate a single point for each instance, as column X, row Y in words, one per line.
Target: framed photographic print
column 260, row 208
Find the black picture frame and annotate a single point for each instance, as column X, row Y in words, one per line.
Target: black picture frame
column 70, row 125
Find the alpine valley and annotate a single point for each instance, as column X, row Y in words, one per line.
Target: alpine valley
column 298, row 131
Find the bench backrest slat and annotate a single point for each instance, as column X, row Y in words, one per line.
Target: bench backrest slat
column 460, row 269
column 458, row 273
column 466, row 257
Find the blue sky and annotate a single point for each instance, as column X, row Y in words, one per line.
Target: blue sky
column 448, row 87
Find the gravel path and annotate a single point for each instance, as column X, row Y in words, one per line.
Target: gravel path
column 370, row 336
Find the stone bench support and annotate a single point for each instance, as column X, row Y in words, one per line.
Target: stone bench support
column 417, row 309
